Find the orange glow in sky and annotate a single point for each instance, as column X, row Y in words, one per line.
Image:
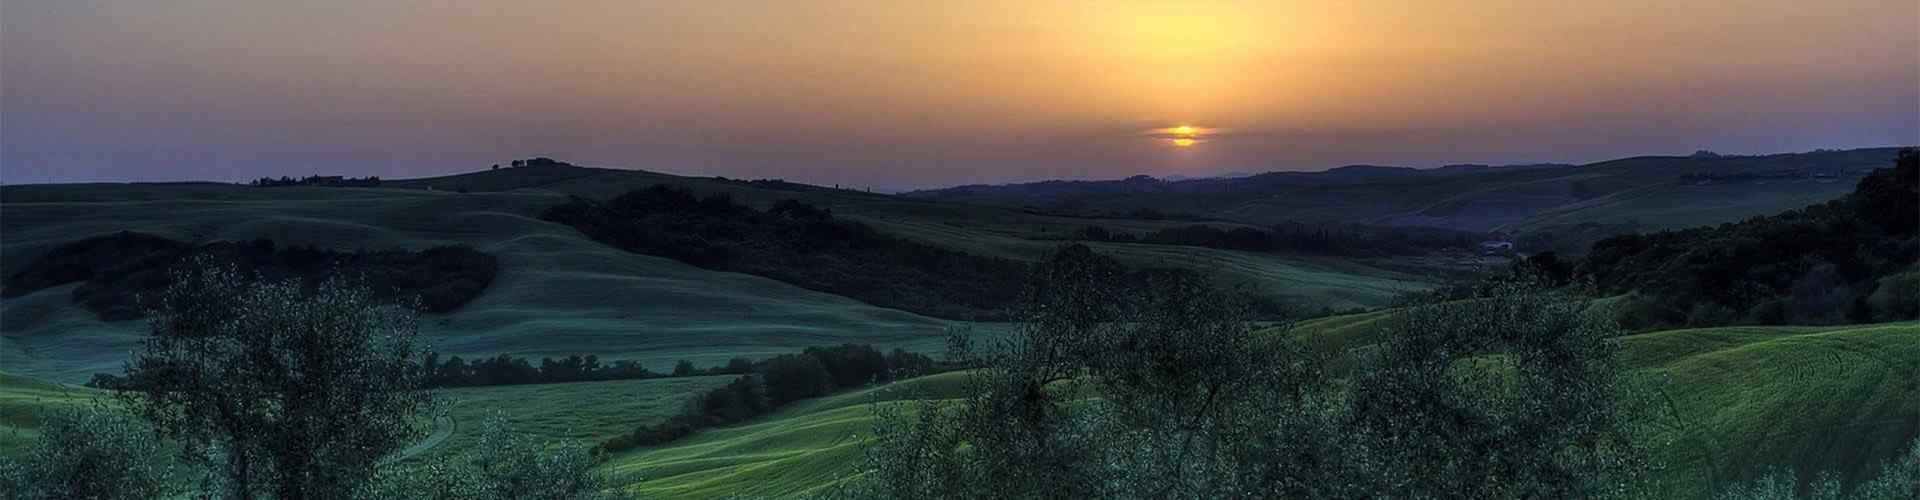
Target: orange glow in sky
column 904, row 94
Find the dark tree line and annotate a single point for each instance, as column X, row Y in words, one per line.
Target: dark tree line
column 1350, row 240
column 799, row 244
column 318, row 180
column 508, row 370
column 121, row 268
column 1847, row 260
column 769, row 384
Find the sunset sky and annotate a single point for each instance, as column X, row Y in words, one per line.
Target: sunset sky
column 901, row 94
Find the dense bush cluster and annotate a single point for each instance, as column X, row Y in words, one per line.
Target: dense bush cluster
column 1351, row 240
column 1167, row 393
column 1848, row 260
column 775, row 382
column 91, row 452
column 800, row 244
column 120, row 268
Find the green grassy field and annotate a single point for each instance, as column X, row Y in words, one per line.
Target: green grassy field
column 798, row 449
column 1751, row 399
column 559, row 293
column 1801, row 399
column 22, row 400
column 583, row 412
column 1748, row 400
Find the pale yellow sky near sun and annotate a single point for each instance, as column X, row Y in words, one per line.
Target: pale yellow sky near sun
column 746, row 86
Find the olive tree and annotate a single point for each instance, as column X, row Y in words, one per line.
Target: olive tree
column 280, row 388
column 92, row 452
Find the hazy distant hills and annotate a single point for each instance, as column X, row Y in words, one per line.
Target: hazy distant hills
column 1646, row 192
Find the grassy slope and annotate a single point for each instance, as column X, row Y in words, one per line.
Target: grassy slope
column 1809, row 398
column 1751, row 398
column 584, row 412
column 559, row 293
column 801, row 448
column 21, row 400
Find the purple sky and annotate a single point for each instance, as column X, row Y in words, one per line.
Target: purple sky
column 910, row 94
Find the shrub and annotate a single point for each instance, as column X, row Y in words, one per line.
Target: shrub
column 504, row 464
column 793, row 377
column 296, row 394
column 90, row 452
column 1899, row 480
column 1897, row 297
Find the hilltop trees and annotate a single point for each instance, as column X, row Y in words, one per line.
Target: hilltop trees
column 279, row 391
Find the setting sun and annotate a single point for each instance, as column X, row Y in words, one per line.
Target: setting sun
column 1183, row 130
column 1184, row 142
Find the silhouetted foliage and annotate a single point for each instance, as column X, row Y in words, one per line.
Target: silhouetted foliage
column 278, row 389
column 318, row 180
column 508, row 370
column 118, row 269
column 799, row 244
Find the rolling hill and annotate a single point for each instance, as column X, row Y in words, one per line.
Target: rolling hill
column 559, row 293
column 1648, row 193
column 1749, row 400
column 1746, row 401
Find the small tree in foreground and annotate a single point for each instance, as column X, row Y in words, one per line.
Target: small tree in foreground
column 503, row 464
column 282, row 390
column 89, row 452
